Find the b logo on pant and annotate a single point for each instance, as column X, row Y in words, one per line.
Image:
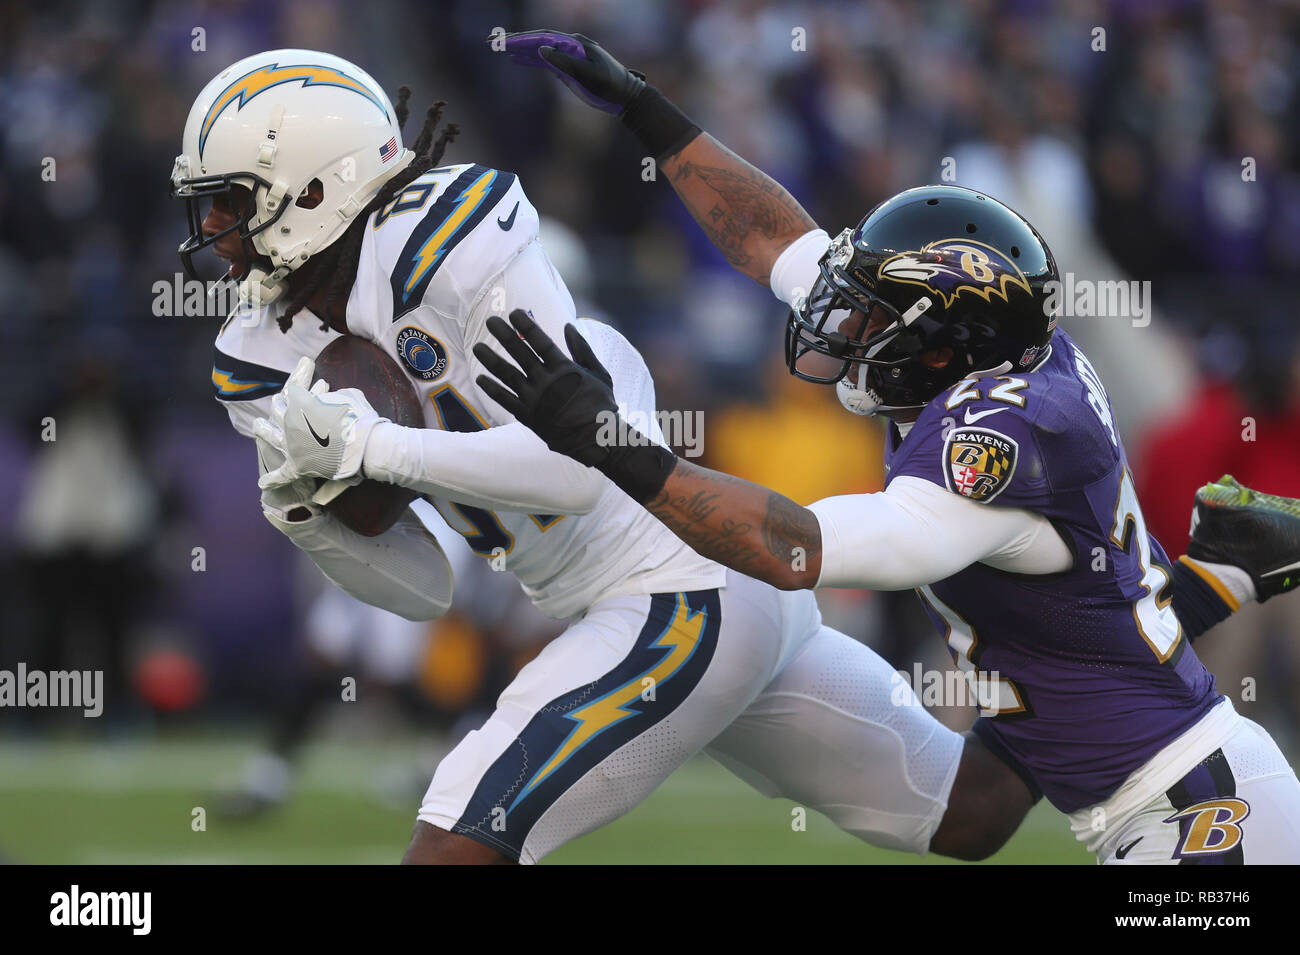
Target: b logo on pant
column 1210, row 827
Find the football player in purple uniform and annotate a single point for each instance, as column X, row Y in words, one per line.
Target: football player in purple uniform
column 1008, row 503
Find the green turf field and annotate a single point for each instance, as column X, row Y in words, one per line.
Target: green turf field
column 133, row 802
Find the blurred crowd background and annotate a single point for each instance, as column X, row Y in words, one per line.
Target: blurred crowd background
column 135, row 540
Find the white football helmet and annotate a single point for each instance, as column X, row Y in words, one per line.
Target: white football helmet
column 273, row 123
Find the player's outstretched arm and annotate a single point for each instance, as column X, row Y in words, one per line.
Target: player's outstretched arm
column 750, row 217
column 741, row 525
column 570, row 404
column 914, row 534
column 745, row 213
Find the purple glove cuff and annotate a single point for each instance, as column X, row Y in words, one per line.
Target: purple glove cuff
column 525, row 50
column 523, row 47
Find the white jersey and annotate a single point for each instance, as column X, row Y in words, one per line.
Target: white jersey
column 458, row 245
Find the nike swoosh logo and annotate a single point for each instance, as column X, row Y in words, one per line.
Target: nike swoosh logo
column 323, row 442
column 509, row 220
column 972, row 418
column 1122, row 851
column 1283, row 570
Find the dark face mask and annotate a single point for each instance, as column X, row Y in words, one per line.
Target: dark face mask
column 236, row 191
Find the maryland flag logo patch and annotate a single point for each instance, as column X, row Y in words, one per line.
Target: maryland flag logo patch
column 978, row 463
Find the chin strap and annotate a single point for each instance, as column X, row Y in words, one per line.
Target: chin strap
column 857, row 398
column 860, row 399
column 260, row 288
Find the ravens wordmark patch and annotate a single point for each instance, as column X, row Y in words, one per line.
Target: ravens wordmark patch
column 978, row 462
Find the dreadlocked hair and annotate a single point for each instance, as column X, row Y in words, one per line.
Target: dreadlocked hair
column 337, row 265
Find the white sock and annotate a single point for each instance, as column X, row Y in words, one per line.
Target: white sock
column 1236, row 580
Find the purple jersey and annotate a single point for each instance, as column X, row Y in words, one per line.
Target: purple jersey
column 1082, row 675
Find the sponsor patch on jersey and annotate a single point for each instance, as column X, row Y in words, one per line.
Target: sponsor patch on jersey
column 422, row 354
column 978, row 462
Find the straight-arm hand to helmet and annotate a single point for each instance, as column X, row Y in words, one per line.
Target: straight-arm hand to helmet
column 746, row 214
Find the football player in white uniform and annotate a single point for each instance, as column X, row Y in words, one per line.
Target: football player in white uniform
column 292, row 169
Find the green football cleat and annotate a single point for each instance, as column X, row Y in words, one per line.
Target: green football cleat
column 1260, row 533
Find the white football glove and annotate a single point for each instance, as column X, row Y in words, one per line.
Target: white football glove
column 287, row 504
column 321, row 433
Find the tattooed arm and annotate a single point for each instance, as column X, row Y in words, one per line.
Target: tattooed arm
column 748, row 528
column 747, row 215
column 568, row 402
column 913, row 533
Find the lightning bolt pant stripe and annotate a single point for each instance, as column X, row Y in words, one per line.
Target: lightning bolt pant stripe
column 575, row 732
column 641, row 683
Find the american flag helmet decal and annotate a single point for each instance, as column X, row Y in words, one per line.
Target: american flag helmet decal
column 388, row 150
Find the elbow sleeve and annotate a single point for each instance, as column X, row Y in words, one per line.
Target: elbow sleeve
column 403, row 570
column 796, row 268
column 915, row 533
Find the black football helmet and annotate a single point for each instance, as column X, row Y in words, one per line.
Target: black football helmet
column 932, row 269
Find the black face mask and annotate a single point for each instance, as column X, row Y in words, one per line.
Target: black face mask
column 822, row 347
column 199, row 195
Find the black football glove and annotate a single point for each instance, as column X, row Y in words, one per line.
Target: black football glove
column 558, row 398
column 597, row 78
column 570, row 404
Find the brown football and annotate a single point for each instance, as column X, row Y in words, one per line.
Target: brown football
column 371, row 507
